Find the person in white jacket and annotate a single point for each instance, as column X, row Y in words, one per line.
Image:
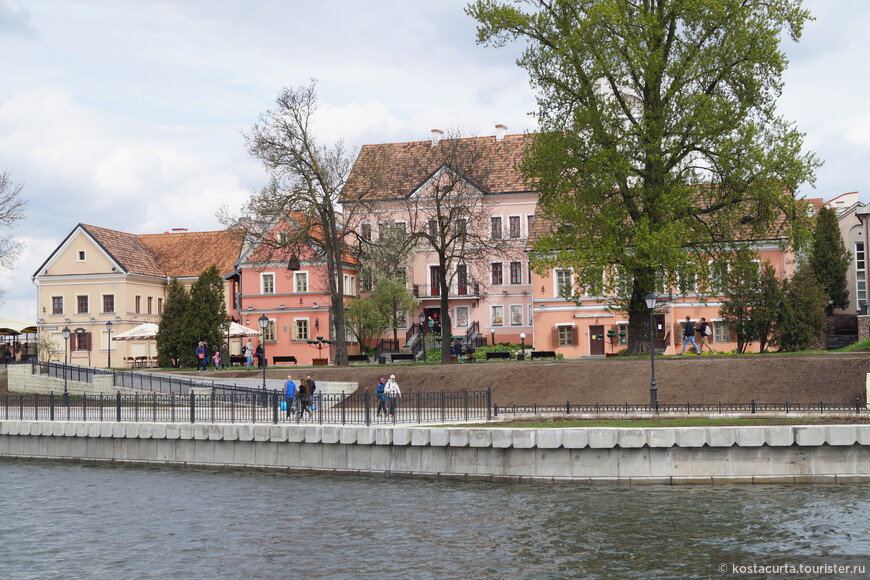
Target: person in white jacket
column 391, row 390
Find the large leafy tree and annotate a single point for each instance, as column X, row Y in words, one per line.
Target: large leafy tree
column 172, row 335
column 660, row 143
column 829, row 259
column 752, row 302
column 205, row 314
column 802, row 316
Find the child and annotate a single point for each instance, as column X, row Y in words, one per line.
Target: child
column 217, row 360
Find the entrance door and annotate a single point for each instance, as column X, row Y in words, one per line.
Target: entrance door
column 660, row 334
column 596, row 340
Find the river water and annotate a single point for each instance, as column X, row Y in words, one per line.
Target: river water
column 70, row 520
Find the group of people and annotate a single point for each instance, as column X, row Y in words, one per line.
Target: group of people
column 388, row 393
column 461, row 352
column 221, row 357
column 303, row 393
column 250, row 352
column 703, row 331
column 203, row 358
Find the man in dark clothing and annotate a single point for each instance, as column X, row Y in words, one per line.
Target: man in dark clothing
column 261, row 358
column 382, row 398
column 689, row 336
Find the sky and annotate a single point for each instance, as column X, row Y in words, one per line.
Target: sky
column 129, row 114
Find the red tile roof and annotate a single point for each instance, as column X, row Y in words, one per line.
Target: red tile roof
column 404, row 167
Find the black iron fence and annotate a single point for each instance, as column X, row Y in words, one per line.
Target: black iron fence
column 752, row 407
column 251, row 406
column 70, row 372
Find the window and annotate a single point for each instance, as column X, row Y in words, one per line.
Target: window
column 719, row 276
column 159, row 306
column 495, row 227
column 462, row 316
column 516, row 270
column 138, row 308
column 462, row 280
column 267, row 283
column 108, row 303
column 433, row 230
column 563, row 282
column 150, row 302
column 497, row 314
column 497, row 276
column 300, row 329
column 82, row 302
column 269, row 334
column 720, row 332
column 860, row 273
column 57, row 304
column 300, row 281
column 401, row 228
column 530, row 221
column 282, row 238
column 529, row 270
column 402, row 275
column 514, row 226
column 434, row 281
column 365, row 232
column 81, row 256
column 565, row 335
column 366, row 282
column 401, row 319
column 462, row 228
column 349, row 285
column 516, row 314
column 80, row 341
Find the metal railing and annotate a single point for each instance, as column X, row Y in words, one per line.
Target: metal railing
column 751, row 407
column 250, row 406
column 70, row 372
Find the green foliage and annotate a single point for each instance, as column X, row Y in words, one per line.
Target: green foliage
column 393, row 300
column 752, row 302
column 364, row 319
column 660, row 142
column 171, row 336
column 802, row 317
column 829, row 259
column 205, row 315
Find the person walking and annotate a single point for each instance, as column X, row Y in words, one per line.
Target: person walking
column 261, row 356
column 393, row 393
column 248, row 351
column 200, row 356
column 382, row 398
column 312, row 386
column 689, row 336
column 290, row 395
column 304, row 395
column 217, row 360
column 704, row 333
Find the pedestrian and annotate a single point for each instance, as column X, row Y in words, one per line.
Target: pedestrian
column 290, row 395
column 225, row 355
column 217, row 360
column 689, row 336
column 200, row 356
column 248, row 351
column 704, row 332
column 456, row 350
column 261, row 356
column 312, row 386
column 391, row 390
column 382, row 398
column 304, row 395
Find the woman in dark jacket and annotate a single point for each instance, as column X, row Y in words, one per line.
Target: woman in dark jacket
column 304, row 396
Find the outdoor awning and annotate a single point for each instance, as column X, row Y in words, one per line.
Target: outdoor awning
column 145, row 331
column 15, row 326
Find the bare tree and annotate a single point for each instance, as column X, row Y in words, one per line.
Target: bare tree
column 299, row 211
column 11, row 212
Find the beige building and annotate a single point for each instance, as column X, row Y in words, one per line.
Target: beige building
column 97, row 276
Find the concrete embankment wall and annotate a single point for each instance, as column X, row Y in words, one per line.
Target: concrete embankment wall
column 693, row 455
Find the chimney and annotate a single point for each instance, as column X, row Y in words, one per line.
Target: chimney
column 500, row 131
column 178, row 230
column 436, row 136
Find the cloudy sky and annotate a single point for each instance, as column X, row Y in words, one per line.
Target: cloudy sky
column 127, row 114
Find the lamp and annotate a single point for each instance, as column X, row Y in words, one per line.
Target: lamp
column 263, row 321
column 109, row 330
column 492, row 337
column 523, row 345
column 65, row 332
column 293, row 263
column 651, row 300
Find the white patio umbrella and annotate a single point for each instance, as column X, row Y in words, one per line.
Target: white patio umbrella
column 239, row 331
column 145, row 331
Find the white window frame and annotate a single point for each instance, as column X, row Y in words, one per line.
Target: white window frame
column 500, row 227
column 496, row 311
column 519, row 219
column 349, row 285
column 860, row 272
column 270, row 333
column 467, row 311
column 296, row 322
column 557, row 287
column 263, row 277
column 569, row 326
column 530, row 222
column 300, row 276
column 519, row 309
column 81, row 256
column 721, row 332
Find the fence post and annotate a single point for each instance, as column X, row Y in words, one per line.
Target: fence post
column 443, row 406
column 367, row 407
column 274, row 407
column 489, row 402
column 118, row 406
column 858, row 405
column 752, row 406
column 343, row 410
column 84, row 406
column 495, row 410
column 192, row 407
column 51, row 406
column 465, row 402
column 419, row 407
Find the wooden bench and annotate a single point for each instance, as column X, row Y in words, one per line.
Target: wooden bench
column 237, row 359
column 284, row 359
column 498, row 354
column 401, row 356
column 543, row 354
column 351, row 358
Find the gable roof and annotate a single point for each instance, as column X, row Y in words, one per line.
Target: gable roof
column 126, row 249
column 404, row 167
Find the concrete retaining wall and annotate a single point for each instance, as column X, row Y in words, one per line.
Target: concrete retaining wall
column 696, row 455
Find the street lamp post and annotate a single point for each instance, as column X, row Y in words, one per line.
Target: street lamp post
column 65, row 332
column 422, row 318
column 491, row 337
column 263, row 321
column 523, row 345
column 109, row 330
column 651, row 300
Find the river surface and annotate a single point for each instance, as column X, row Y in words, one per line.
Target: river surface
column 70, row 520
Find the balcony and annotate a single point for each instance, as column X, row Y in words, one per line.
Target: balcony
column 434, row 291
